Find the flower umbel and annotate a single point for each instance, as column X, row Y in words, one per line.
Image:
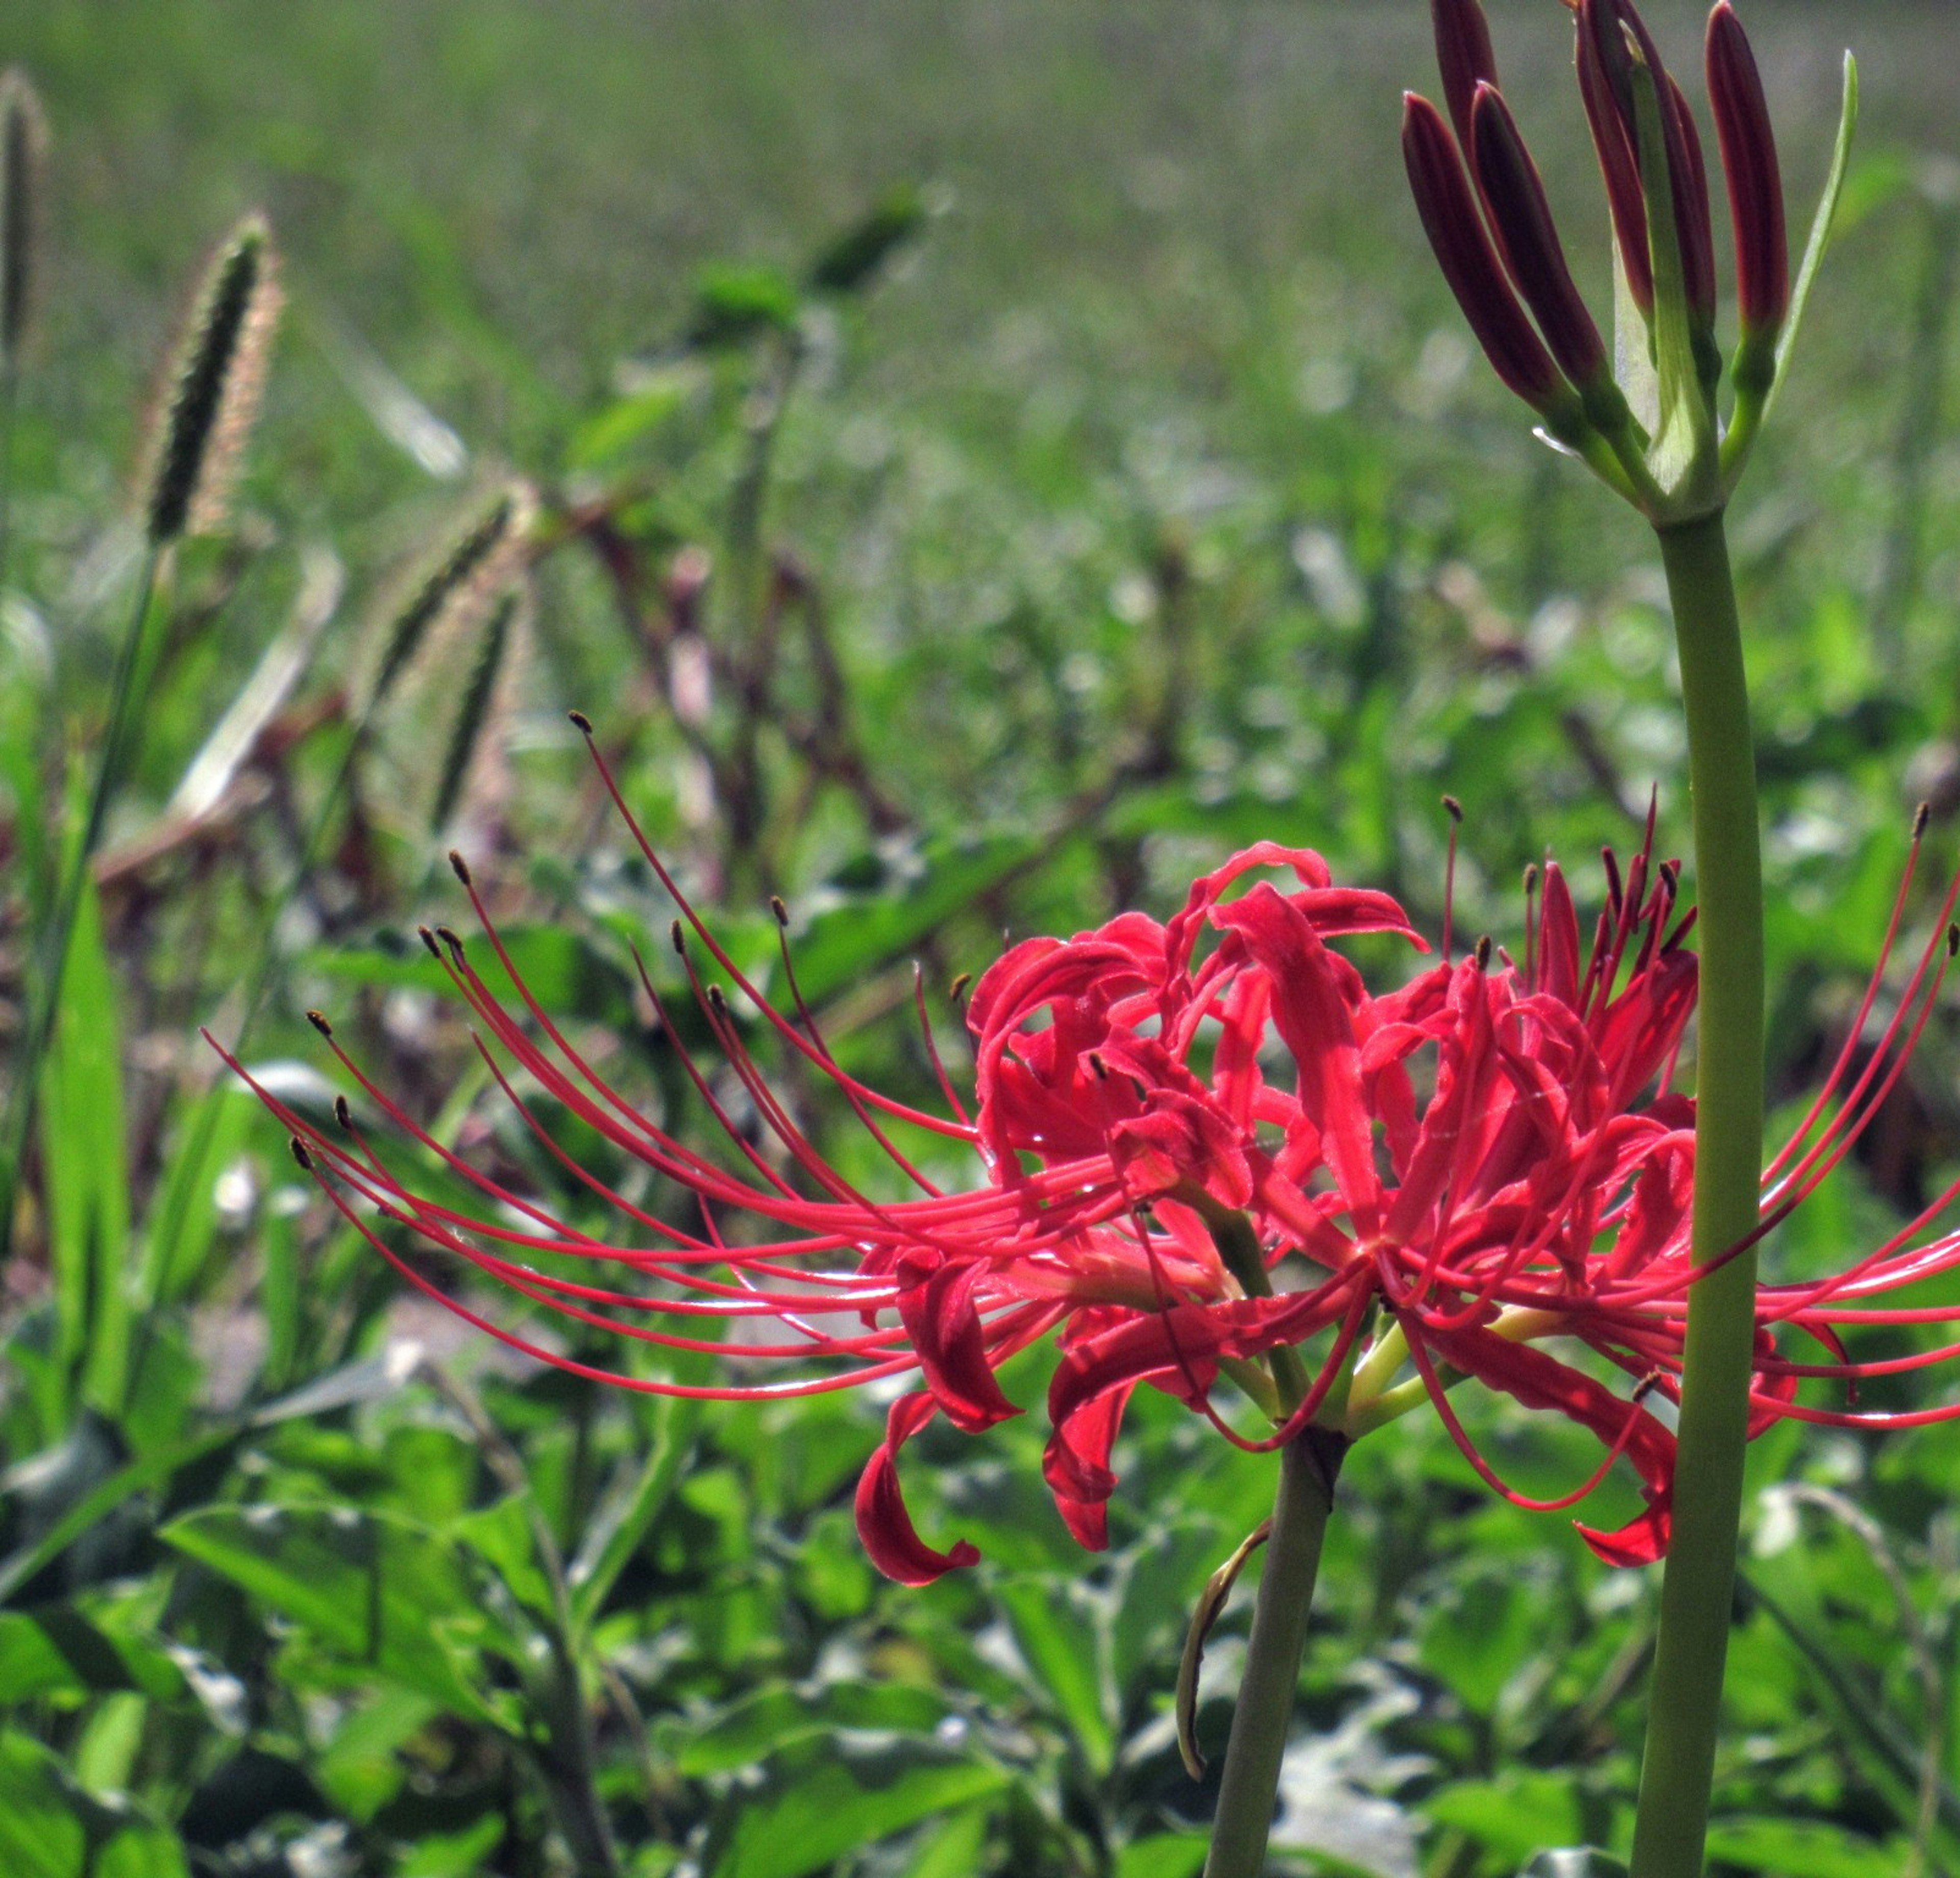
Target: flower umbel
column 1204, row 1152
column 1646, row 417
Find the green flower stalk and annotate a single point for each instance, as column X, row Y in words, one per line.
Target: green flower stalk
column 1651, row 423
column 216, row 385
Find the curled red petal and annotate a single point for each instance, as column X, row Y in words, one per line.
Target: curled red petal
column 1078, row 1472
column 945, row 1329
column 890, row 1538
column 1181, row 1140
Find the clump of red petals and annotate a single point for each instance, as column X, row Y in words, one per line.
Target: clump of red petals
column 1485, row 1173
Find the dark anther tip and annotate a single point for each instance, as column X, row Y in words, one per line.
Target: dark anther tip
column 428, row 940
column 1531, row 877
column 782, row 912
column 678, row 934
column 318, row 1020
column 957, row 989
column 1920, row 817
column 342, row 1113
column 1453, row 807
column 717, row 1000
column 460, row 866
column 450, row 937
column 1483, row 953
column 1953, row 941
column 299, row 1154
column 582, row 723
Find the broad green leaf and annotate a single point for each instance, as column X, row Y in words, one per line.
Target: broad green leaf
column 844, row 942
column 460, row 1854
column 373, row 1589
column 565, row 973
column 1512, row 1815
column 777, row 1718
column 802, row 1818
column 623, row 1521
column 1804, row 1848
column 733, row 304
column 1063, row 1643
column 151, row 1471
column 50, row 1827
column 501, row 1536
column 58, row 1652
column 1163, row 1855
column 952, row 1849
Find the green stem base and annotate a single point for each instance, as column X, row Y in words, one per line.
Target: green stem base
column 1671, row 1828
column 1309, row 1466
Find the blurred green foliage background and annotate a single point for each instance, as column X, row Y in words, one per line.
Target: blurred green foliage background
column 993, row 460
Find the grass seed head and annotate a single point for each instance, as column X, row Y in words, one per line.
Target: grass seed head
column 215, row 388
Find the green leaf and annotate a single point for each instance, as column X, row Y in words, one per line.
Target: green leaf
column 87, row 1181
column 183, row 1225
column 801, row 1818
column 852, row 261
column 58, row 1652
column 778, row 1718
column 50, row 1827
column 152, row 1470
column 1163, row 1855
column 954, row 1849
column 732, row 304
column 615, row 1532
column 613, row 430
column 1820, row 227
column 1803, row 1848
column 568, row 975
column 372, row 1588
column 845, row 942
column 1513, row 1816
column 1063, row 1644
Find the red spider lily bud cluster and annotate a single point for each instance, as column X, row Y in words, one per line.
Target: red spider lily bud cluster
column 1206, row 1153
column 1483, row 205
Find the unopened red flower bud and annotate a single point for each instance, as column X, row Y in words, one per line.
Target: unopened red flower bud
column 1619, row 38
column 1755, row 179
column 1618, row 165
column 1464, row 56
column 1469, row 263
column 1692, row 220
column 1515, row 197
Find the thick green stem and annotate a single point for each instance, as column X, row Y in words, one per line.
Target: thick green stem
column 1308, row 1468
column 1671, row 1828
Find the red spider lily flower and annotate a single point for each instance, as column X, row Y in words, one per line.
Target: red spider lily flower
column 1204, row 1150
column 1483, row 206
